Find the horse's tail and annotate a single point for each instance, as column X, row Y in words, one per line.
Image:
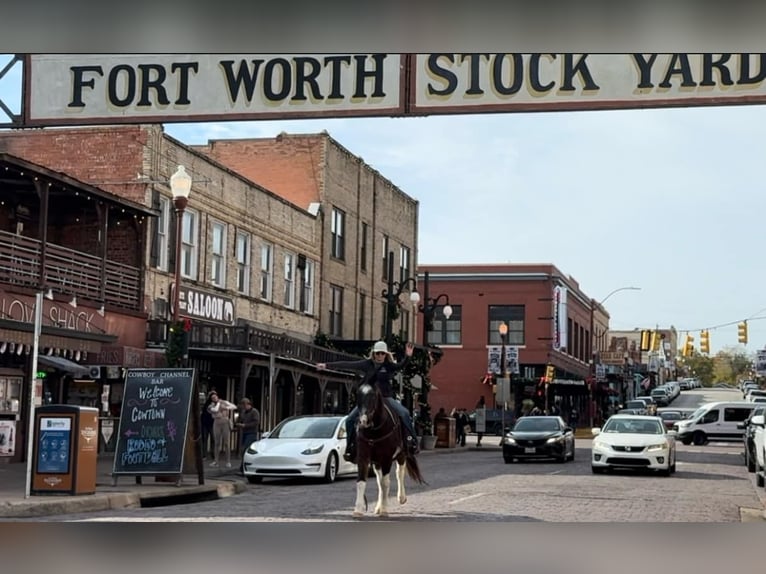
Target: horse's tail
column 413, row 469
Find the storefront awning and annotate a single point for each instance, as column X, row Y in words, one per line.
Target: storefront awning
column 63, row 365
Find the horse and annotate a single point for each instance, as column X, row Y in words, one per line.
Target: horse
column 380, row 443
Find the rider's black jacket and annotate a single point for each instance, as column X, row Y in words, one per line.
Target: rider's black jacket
column 372, row 372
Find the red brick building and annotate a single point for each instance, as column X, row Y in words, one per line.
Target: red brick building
column 548, row 318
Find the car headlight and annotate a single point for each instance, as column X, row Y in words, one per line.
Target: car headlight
column 510, row 440
column 251, row 449
column 313, row 450
column 600, row 444
column 555, row 439
column 658, row 446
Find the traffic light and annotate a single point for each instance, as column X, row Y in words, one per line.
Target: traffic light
column 646, row 340
column 655, row 341
column 688, row 346
column 550, row 373
column 742, row 332
column 705, row 342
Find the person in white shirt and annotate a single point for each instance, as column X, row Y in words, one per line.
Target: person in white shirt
column 219, row 410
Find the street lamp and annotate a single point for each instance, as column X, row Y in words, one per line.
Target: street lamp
column 428, row 308
column 593, row 338
column 180, row 186
column 391, row 294
column 502, row 328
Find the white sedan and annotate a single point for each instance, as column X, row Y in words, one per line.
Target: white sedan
column 632, row 441
column 310, row 446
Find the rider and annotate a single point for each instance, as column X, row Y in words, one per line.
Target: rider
column 377, row 369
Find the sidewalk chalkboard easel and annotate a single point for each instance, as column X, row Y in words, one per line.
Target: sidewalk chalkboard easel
column 154, row 423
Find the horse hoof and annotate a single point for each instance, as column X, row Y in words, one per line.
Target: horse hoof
column 402, row 499
column 357, row 514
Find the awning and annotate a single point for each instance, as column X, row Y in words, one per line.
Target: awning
column 63, row 365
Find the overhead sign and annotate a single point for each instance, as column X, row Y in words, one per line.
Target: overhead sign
column 82, row 89
column 560, row 316
column 108, row 88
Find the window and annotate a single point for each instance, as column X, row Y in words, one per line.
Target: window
column 446, row 331
column 266, row 269
column 404, row 264
column 243, row 262
column 307, row 288
column 189, row 246
column 385, row 258
column 338, row 248
column 163, row 233
column 513, row 315
column 336, row 311
column 363, row 248
column 710, row 417
column 218, row 255
column 736, row 414
column 289, row 295
column 362, row 327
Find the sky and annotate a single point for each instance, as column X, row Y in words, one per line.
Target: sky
column 668, row 200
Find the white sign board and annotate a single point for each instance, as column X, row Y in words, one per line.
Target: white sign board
column 511, row 360
column 760, row 363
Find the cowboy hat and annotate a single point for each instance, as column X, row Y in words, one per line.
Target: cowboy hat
column 381, row 347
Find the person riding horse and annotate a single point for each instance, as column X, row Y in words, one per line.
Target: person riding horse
column 377, row 369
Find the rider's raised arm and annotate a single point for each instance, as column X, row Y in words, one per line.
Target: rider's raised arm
column 401, row 364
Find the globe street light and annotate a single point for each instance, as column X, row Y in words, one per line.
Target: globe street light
column 391, row 294
column 180, row 186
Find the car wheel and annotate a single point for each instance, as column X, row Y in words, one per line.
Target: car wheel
column 749, row 460
column 699, row 438
column 759, row 481
column 664, row 471
column 255, row 479
column 331, row 468
column 597, row 470
column 508, row 459
column 686, row 441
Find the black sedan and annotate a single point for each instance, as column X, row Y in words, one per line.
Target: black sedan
column 539, row 437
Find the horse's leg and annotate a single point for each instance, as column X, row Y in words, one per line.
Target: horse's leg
column 361, row 487
column 383, row 473
column 401, row 470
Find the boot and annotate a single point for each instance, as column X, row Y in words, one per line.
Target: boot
column 412, row 445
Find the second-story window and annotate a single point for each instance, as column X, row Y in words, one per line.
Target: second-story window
column 363, row 248
column 336, row 311
column 266, row 269
column 338, row 248
column 307, row 288
column 404, row 263
column 385, row 258
column 243, row 262
column 189, row 244
column 289, row 296
column 218, row 255
column 163, row 232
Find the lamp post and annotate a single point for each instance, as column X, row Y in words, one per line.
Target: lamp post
column 391, row 294
column 593, row 338
column 180, row 186
column 502, row 328
column 428, row 308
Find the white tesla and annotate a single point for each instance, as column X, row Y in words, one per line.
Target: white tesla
column 300, row 446
column 634, row 441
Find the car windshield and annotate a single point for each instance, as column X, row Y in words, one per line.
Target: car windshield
column 634, row 426
column 671, row 416
column 307, row 427
column 536, row 424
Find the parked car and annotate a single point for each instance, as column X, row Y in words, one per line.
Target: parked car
column 748, row 438
column 637, row 405
column 493, row 421
column 539, row 437
column 631, row 441
column 651, row 404
column 300, row 446
column 660, row 397
column 669, row 418
column 759, row 439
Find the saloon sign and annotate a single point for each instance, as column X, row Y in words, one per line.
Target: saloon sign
column 206, row 306
column 83, row 89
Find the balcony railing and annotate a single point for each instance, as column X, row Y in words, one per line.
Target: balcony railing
column 246, row 338
column 68, row 271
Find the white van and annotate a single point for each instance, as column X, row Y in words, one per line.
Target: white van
column 714, row 421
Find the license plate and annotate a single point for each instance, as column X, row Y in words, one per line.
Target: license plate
column 529, row 450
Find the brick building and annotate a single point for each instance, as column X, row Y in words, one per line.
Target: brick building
column 548, row 318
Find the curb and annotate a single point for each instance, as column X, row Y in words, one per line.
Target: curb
column 118, row 500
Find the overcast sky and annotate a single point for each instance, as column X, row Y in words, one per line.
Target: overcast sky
column 668, row 200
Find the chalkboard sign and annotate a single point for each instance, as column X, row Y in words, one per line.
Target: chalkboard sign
column 154, row 420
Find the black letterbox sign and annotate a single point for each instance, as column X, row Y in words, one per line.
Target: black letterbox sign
column 154, row 421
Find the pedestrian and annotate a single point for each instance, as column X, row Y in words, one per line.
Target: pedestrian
column 574, row 418
column 222, row 427
column 480, row 405
column 248, row 425
column 377, row 370
column 206, row 425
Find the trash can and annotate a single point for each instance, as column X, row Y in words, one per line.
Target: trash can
column 65, row 450
column 445, row 432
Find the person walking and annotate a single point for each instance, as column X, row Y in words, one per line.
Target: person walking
column 206, row 426
column 480, row 405
column 248, row 425
column 222, row 427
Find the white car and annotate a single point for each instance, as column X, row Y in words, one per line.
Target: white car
column 634, row 441
column 310, row 446
column 759, row 446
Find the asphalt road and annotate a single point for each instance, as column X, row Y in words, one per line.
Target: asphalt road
column 711, row 485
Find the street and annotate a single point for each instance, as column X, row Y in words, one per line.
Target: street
column 711, row 485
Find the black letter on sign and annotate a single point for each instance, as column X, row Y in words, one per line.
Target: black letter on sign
column 268, row 79
column 130, row 85
column 707, row 70
column 517, row 74
column 534, row 74
column 183, row 80
column 362, row 74
column 233, row 83
column 335, row 62
column 301, row 77
column 679, row 64
column 443, row 73
column 744, row 70
column 78, row 83
column 581, row 68
column 474, row 88
column 645, row 70
column 156, row 83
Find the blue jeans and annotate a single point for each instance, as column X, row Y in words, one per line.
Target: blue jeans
column 395, row 405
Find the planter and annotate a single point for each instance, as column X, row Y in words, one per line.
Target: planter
column 429, row 442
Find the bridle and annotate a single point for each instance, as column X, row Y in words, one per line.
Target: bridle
column 371, row 414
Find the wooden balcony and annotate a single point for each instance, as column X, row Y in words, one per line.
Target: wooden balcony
column 68, row 271
column 246, row 338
